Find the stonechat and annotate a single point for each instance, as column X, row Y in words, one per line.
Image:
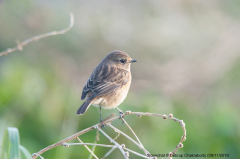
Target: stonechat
column 109, row 82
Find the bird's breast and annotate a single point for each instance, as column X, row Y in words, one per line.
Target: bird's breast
column 114, row 98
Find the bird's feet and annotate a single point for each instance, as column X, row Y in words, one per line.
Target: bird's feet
column 121, row 116
column 102, row 124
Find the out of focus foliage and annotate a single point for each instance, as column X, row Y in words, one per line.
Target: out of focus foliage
column 188, row 56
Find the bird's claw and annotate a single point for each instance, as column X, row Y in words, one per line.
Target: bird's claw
column 102, row 124
column 121, row 116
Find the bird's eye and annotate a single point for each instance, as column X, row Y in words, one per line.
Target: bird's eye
column 123, row 61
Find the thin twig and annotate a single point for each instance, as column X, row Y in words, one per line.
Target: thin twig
column 119, row 109
column 111, row 140
column 73, row 144
column 117, row 130
column 103, row 145
column 141, row 146
column 117, row 136
column 36, row 38
column 87, row 148
column 38, row 155
column 136, row 153
column 108, row 153
column 63, row 141
column 95, row 142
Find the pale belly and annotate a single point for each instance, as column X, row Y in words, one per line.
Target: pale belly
column 111, row 100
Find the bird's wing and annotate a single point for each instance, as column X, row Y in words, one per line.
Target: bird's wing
column 104, row 80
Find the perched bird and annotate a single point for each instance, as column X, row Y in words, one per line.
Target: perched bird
column 109, row 82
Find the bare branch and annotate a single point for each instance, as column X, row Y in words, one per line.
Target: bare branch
column 136, row 153
column 111, row 140
column 38, row 155
column 141, row 146
column 125, row 136
column 95, row 142
column 87, row 148
column 108, row 153
column 120, row 147
column 36, row 38
column 72, row 144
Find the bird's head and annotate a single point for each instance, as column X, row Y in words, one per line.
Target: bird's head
column 118, row 59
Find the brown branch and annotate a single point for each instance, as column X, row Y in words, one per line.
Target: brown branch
column 107, row 122
column 36, row 38
column 74, row 136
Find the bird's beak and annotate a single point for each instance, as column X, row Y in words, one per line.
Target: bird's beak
column 133, row 61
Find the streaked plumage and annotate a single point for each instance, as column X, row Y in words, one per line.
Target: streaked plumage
column 109, row 82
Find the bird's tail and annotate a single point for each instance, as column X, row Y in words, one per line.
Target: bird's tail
column 83, row 107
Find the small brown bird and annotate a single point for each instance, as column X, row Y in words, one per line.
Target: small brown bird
column 109, row 82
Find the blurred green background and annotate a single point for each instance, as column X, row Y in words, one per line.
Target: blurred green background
column 188, row 56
